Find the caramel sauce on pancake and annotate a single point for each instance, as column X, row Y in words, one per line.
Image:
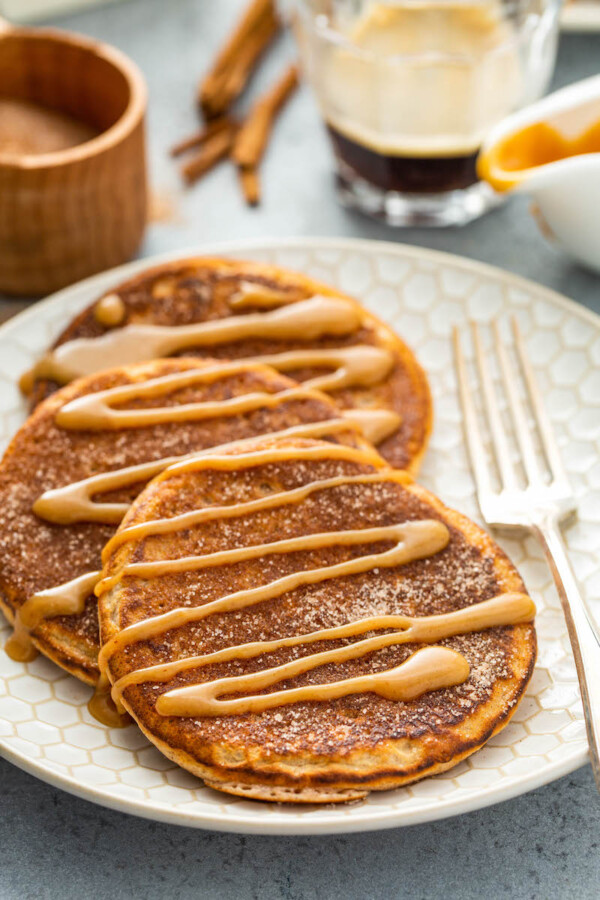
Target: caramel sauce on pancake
column 233, row 310
column 314, row 317
column 97, row 411
column 258, row 295
column 426, row 670
column 75, row 502
column 431, row 673
column 110, row 311
column 64, row 600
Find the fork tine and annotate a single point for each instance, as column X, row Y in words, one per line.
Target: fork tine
column 471, row 425
column 543, row 422
column 499, row 439
column 517, row 409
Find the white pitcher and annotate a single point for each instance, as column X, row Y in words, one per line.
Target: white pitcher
column 562, row 175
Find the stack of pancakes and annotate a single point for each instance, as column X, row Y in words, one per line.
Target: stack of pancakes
column 210, row 514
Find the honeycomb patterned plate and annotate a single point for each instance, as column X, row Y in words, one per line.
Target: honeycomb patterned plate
column 44, row 724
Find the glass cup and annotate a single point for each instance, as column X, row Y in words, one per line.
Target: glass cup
column 408, row 90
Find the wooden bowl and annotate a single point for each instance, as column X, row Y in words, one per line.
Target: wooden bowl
column 70, row 213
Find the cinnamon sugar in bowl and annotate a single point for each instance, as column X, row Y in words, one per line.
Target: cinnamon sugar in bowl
column 72, row 159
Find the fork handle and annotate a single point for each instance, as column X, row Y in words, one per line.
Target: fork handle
column 584, row 641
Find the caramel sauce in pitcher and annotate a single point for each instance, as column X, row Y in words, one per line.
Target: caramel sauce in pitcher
column 505, row 165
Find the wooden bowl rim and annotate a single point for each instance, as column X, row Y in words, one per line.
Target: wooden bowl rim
column 115, row 133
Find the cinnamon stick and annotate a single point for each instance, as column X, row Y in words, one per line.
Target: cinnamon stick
column 236, row 78
column 251, row 140
column 200, row 137
column 214, row 148
column 250, row 186
column 235, row 63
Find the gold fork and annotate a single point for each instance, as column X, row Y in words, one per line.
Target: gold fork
column 539, row 503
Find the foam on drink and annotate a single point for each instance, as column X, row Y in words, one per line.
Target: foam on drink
column 409, row 107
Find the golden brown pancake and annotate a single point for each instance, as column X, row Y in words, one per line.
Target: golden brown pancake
column 383, row 373
column 76, row 434
column 281, row 514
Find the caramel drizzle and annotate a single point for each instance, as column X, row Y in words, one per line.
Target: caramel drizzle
column 69, row 598
column 202, row 699
column 428, row 534
column 102, row 707
column 414, row 540
column 430, row 669
column 234, row 510
column 110, row 311
column 374, row 424
column 64, row 600
column 308, row 319
column 252, row 293
column 73, row 502
column 95, row 412
column 360, row 365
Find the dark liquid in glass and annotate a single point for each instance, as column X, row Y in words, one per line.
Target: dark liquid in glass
column 405, row 174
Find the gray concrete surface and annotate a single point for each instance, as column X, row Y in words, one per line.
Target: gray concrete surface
column 543, row 845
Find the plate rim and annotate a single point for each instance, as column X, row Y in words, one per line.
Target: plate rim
column 249, row 823
column 246, row 824
column 229, row 247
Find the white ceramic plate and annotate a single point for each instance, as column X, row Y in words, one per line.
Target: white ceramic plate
column 580, row 15
column 44, row 724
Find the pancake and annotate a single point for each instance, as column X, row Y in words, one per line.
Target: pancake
column 310, row 331
column 53, row 523
column 215, row 615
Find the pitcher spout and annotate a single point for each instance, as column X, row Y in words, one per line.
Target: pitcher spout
column 545, row 143
column 551, row 151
